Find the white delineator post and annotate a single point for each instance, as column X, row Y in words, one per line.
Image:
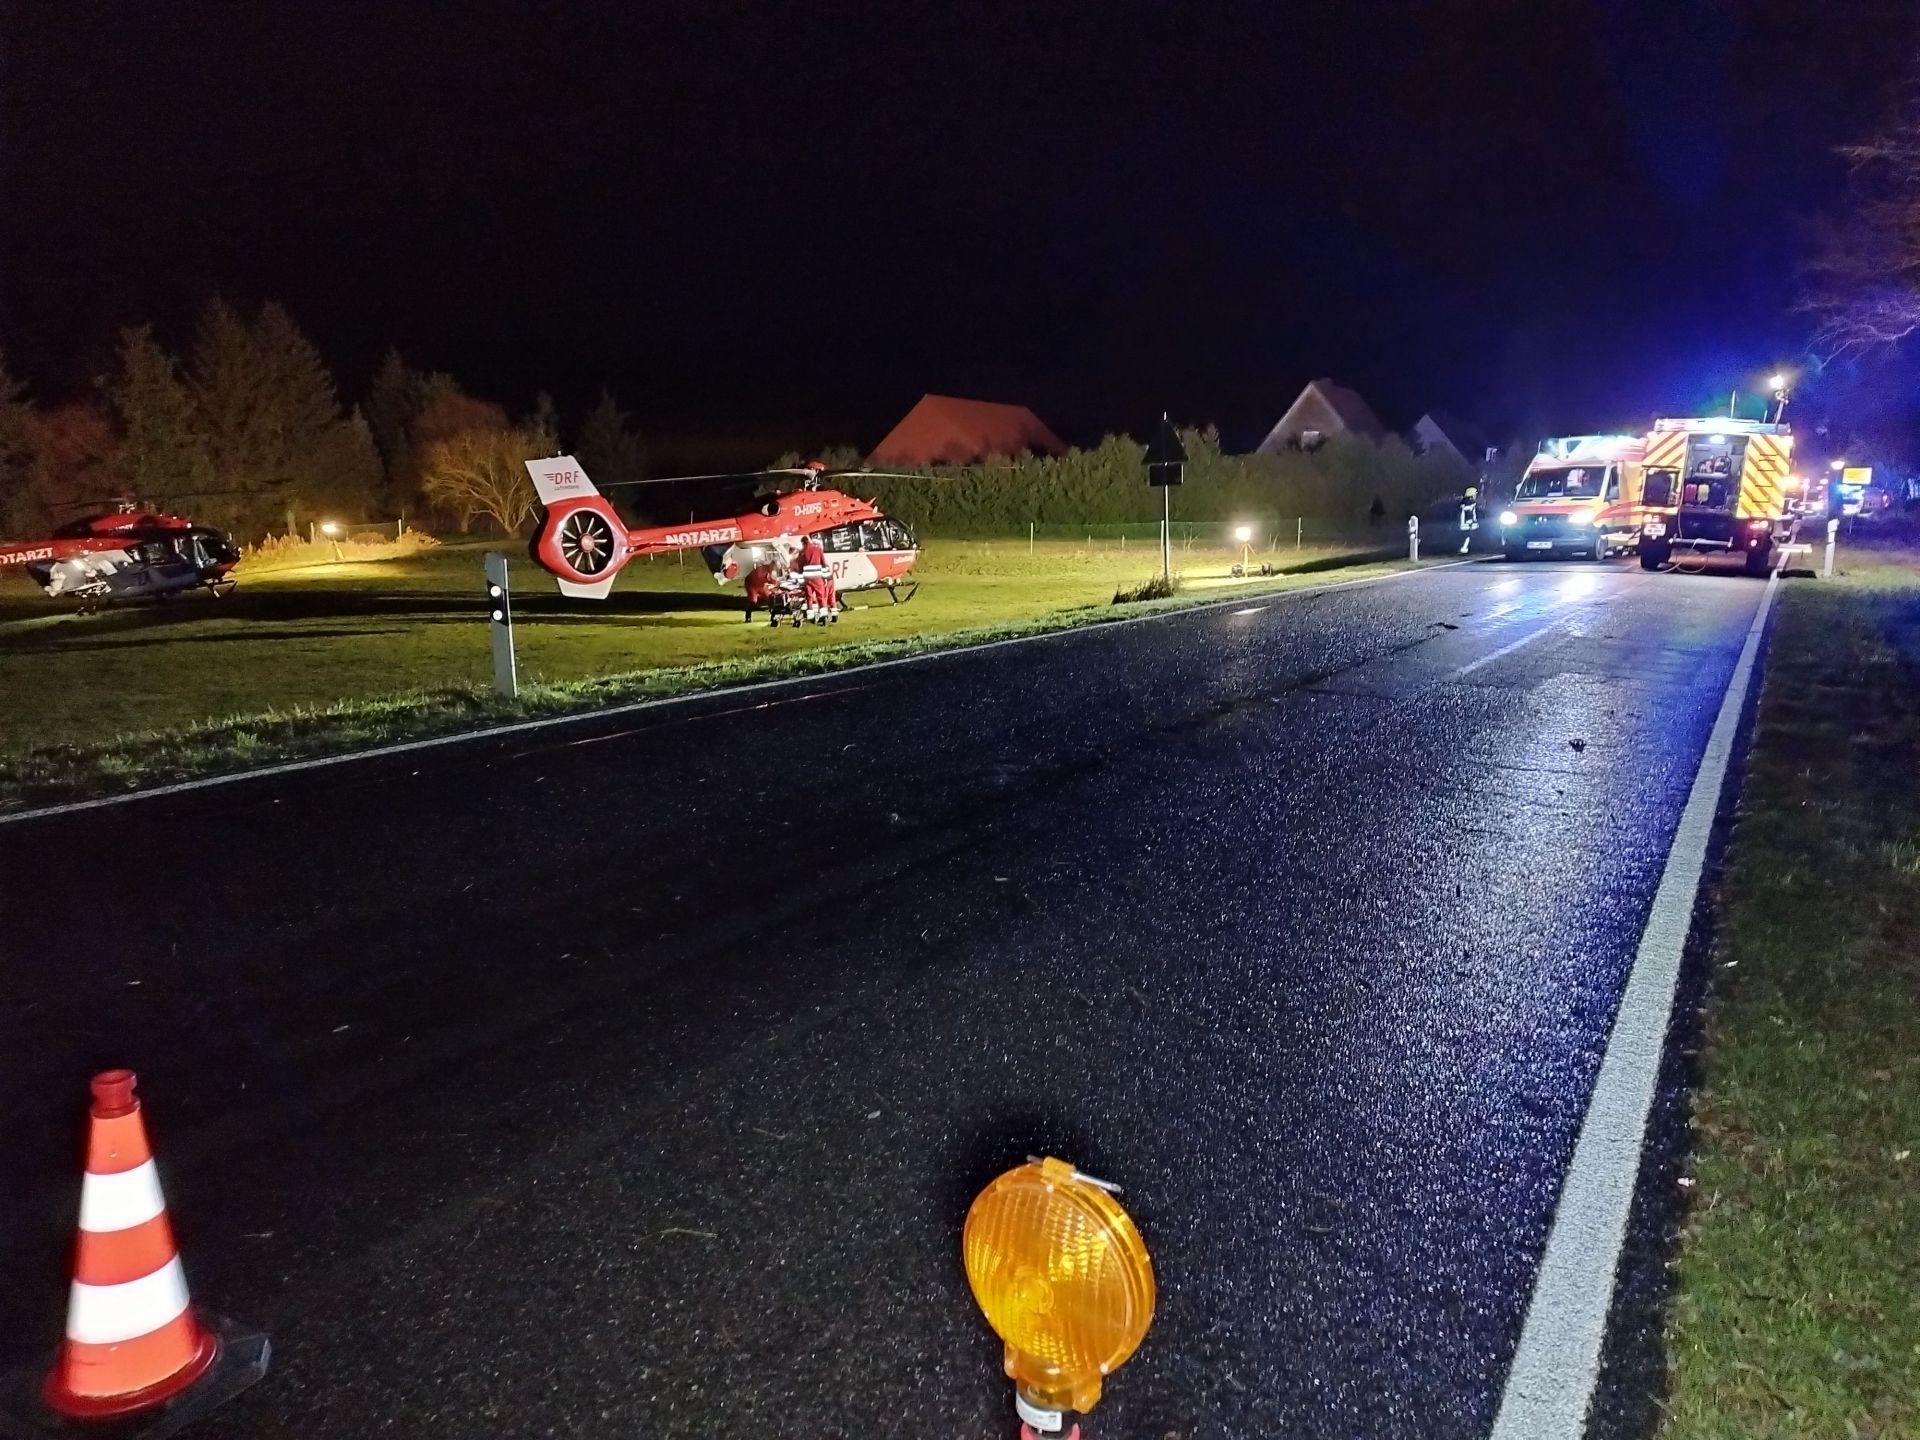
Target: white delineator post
column 500, row 622
column 1833, row 529
column 1413, row 537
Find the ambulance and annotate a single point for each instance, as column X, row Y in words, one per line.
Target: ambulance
column 1717, row 485
column 1580, row 496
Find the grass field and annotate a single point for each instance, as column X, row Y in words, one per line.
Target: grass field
column 1797, row 1311
column 82, row 695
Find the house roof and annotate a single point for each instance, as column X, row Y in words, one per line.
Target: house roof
column 1326, row 406
column 943, row 430
column 1358, row 415
column 1450, row 429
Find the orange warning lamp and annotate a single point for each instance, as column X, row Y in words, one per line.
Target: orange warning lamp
column 1062, row 1275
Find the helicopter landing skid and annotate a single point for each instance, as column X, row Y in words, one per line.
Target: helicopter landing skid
column 893, row 593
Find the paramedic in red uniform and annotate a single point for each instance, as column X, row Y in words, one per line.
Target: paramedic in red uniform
column 819, row 581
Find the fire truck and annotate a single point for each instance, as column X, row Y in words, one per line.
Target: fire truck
column 1581, row 495
column 1716, row 485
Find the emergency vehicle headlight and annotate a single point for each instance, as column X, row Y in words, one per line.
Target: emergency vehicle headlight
column 1586, row 515
column 1507, row 517
column 1062, row 1276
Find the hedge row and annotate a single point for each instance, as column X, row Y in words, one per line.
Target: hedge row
column 1337, row 484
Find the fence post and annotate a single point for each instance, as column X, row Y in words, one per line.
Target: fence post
column 1413, row 537
column 1833, row 529
column 1299, row 530
column 1029, row 537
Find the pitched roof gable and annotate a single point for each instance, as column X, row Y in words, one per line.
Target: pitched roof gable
column 946, row 430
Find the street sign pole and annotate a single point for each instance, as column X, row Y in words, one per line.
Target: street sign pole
column 1166, row 533
column 500, row 622
column 1166, row 467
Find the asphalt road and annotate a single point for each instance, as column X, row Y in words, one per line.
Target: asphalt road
column 632, row 1077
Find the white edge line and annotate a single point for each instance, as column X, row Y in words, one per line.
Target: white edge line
column 1507, row 649
column 574, row 717
column 1557, row 1363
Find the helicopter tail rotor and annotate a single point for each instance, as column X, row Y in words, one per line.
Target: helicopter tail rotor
column 581, row 541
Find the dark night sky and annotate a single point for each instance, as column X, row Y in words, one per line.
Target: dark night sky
column 786, row 221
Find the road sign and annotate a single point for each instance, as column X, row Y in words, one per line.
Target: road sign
column 1166, row 456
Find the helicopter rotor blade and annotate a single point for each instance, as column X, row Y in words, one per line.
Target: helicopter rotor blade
column 125, row 498
column 717, row 475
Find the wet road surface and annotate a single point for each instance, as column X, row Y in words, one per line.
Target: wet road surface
column 632, row 1077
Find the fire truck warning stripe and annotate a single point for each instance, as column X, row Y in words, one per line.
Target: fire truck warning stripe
column 110, row 1314
column 119, row 1202
column 117, row 1256
column 1557, row 1364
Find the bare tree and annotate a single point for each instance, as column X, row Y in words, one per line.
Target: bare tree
column 479, row 473
column 1864, row 280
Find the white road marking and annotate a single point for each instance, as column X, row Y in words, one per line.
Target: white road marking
column 1507, row 649
column 575, row 717
column 1250, row 610
column 1557, row 1363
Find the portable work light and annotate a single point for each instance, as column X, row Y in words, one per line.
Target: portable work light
column 1062, row 1276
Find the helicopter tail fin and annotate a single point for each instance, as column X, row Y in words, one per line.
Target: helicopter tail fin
column 559, row 478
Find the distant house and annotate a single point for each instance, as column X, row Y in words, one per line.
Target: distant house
column 1437, row 431
column 941, row 430
column 1323, row 411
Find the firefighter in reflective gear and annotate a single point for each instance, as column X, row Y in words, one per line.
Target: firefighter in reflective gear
column 818, row 578
column 1469, row 516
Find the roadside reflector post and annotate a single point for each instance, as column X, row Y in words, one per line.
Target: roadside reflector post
column 1062, row 1275
column 1833, row 529
column 500, row 622
column 1413, row 537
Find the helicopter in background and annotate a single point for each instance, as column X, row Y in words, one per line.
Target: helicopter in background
column 128, row 552
column 582, row 541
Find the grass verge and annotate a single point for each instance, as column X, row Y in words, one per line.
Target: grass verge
column 1797, row 1303
column 49, row 774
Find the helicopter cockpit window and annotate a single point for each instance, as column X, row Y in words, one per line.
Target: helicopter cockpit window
column 841, row 539
column 887, row 534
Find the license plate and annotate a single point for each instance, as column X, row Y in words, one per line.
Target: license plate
column 1539, row 544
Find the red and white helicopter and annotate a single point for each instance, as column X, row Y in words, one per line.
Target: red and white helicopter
column 582, row 542
column 127, row 553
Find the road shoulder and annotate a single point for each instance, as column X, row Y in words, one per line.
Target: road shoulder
column 1795, row 1308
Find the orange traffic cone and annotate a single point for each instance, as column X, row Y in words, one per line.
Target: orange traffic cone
column 132, row 1338
column 134, row 1348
